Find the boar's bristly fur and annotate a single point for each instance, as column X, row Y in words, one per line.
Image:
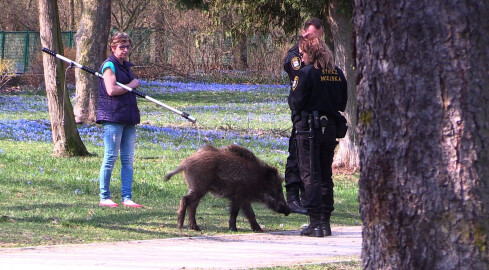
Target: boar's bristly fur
column 232, row 172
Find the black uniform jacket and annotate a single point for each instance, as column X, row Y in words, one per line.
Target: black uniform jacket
column 319, row 90
column 293, row 62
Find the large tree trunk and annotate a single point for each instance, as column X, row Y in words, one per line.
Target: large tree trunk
column 423, row 91
column 91, row 51
column 66, row 139
column 342, row 28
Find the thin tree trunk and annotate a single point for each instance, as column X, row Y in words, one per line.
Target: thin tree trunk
column 342, row 28
column 91, row 51
column 72, row 15
column 66, row 139
column 424, row 133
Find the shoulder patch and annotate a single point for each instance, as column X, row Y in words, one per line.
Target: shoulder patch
column 295, row 82
column 296, row 63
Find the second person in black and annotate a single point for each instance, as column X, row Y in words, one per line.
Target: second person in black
column 318, row 94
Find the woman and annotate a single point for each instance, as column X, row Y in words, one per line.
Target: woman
column 119, row 114
column 319, row 92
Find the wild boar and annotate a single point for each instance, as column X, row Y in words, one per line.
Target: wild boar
column 235, row 173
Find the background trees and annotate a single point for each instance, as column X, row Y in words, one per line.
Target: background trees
column 130, row 14
column 23, row 15
column 424, row 133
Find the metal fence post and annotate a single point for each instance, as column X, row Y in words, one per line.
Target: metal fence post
column 70, row 42
column 3, row 44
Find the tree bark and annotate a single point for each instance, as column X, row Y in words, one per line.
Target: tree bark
column 341, row 24
column 424, row 133
column 91, row 51
column 67, row 141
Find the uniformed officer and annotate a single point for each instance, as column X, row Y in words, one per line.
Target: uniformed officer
column 318, row 93
column 292, row 63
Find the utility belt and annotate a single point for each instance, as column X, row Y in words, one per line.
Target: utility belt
column 307, row 123
column 312, row 120
column 316, row 120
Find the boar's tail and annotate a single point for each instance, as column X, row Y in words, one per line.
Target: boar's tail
column 176, row 171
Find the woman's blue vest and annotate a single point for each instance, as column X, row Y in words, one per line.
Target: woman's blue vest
column 122, row 109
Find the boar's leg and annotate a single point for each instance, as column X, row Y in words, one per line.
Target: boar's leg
column 190, row 201
column 233, row 214
column 181, row 211
column 192, row 210
column 250, row 215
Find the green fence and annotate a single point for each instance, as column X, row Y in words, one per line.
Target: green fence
column 22, row 46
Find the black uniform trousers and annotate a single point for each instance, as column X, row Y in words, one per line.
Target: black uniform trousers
column 318, row 186
column 292, row 175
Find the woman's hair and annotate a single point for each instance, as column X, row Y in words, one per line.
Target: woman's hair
column 317, row 51
column 118, row 38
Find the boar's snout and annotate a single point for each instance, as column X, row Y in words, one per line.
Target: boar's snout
column 284, row 209
column 279, row 204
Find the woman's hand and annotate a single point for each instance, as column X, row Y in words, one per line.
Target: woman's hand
column 112, row 88
column 134, row 84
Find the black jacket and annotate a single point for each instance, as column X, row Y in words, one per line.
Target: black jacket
column 319, row 90
column 293, row 62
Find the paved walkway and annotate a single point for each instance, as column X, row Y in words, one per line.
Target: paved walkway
column 233, row 251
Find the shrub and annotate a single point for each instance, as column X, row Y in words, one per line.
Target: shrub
column 7, row 71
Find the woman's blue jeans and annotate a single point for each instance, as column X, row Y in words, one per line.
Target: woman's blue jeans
column 118, row 137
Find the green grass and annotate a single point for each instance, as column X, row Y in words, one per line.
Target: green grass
column 343, row 264
column 45, row 200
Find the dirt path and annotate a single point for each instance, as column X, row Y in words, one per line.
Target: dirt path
column 235, row 251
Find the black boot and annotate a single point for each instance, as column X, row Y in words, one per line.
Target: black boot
column 326, row 228
column 294, row 202
column 325, row 224
column 314, row 229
